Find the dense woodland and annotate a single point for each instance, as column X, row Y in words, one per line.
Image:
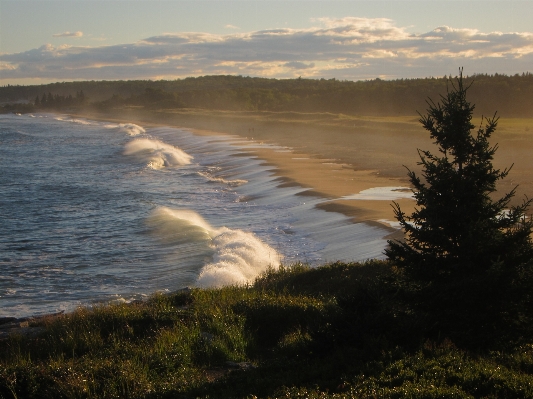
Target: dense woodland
column 512, row 96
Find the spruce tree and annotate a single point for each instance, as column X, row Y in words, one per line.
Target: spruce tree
column 462, row 249
column 457, row 227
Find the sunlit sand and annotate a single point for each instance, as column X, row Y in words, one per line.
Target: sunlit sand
column 331, row 158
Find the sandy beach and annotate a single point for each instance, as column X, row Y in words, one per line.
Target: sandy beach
column 337, row 156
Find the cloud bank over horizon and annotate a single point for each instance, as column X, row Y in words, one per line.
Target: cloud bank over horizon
column 346, row 48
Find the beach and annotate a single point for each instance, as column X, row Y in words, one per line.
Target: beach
column 117, row 210
column 338, row 156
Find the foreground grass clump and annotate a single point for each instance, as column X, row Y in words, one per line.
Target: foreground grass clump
column 341, row 330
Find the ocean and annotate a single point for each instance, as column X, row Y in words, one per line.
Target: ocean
column 95, row 212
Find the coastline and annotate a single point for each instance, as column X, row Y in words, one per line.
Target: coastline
column 310, row 168
column 302, row 166
column 334, row 156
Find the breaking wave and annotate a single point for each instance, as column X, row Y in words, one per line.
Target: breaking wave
column 157, row 154
column 72, row 120
column 231, row 183
column 131, row 128
column 236, row 256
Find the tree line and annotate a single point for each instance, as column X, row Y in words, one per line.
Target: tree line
column 511, row 95
column 59, row 101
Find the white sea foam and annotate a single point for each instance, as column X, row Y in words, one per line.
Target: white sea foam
column 167, row 218
column 80, row 121
column 157, row 154
column 381, row 193
column 72, row 120
column 131, row 128
column 231, row 183
column 237, row 256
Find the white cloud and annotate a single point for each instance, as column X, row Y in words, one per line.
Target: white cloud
column 229, row 26
column 69, row 34
column 299, row 65
column 345, row 48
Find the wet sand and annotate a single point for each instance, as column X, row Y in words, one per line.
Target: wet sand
column 336, row 155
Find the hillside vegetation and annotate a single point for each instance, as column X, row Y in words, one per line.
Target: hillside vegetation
column 338, row 331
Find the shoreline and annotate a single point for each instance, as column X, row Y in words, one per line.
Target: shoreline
column 327, row 178
column 322, row 176
column 318, row 176
column 334, row 157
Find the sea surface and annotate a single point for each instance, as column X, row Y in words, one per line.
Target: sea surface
column 95, row 212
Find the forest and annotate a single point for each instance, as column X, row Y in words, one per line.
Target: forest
column 512, row 96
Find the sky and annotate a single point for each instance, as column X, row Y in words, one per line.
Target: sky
column 45, row 41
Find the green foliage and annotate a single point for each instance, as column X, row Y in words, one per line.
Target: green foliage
column 470, row 256
column 512, row 95
column 458, row 229
column 271, row 317
column 297, row 337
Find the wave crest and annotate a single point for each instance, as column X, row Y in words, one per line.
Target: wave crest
column 72, row 120
column 231, row 183
column 238, row 257
column 131, row 128
column 157, row 154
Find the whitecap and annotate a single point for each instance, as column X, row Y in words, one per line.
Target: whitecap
column 131, row 128
column 157, row 154
column 238, row 257
column 73, row 120
column 214, row 179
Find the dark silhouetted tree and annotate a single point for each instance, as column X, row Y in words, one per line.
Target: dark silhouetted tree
column 462, row 248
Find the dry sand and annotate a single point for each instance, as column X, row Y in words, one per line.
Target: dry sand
column 336, row 156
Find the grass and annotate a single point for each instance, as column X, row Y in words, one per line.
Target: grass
column 337, row 331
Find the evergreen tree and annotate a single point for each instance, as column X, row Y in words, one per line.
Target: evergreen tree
column 80, row 96
column 462, row 249
column 37, row 102
column 457, row 227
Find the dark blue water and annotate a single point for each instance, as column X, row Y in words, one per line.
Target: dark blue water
column 93, row 211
